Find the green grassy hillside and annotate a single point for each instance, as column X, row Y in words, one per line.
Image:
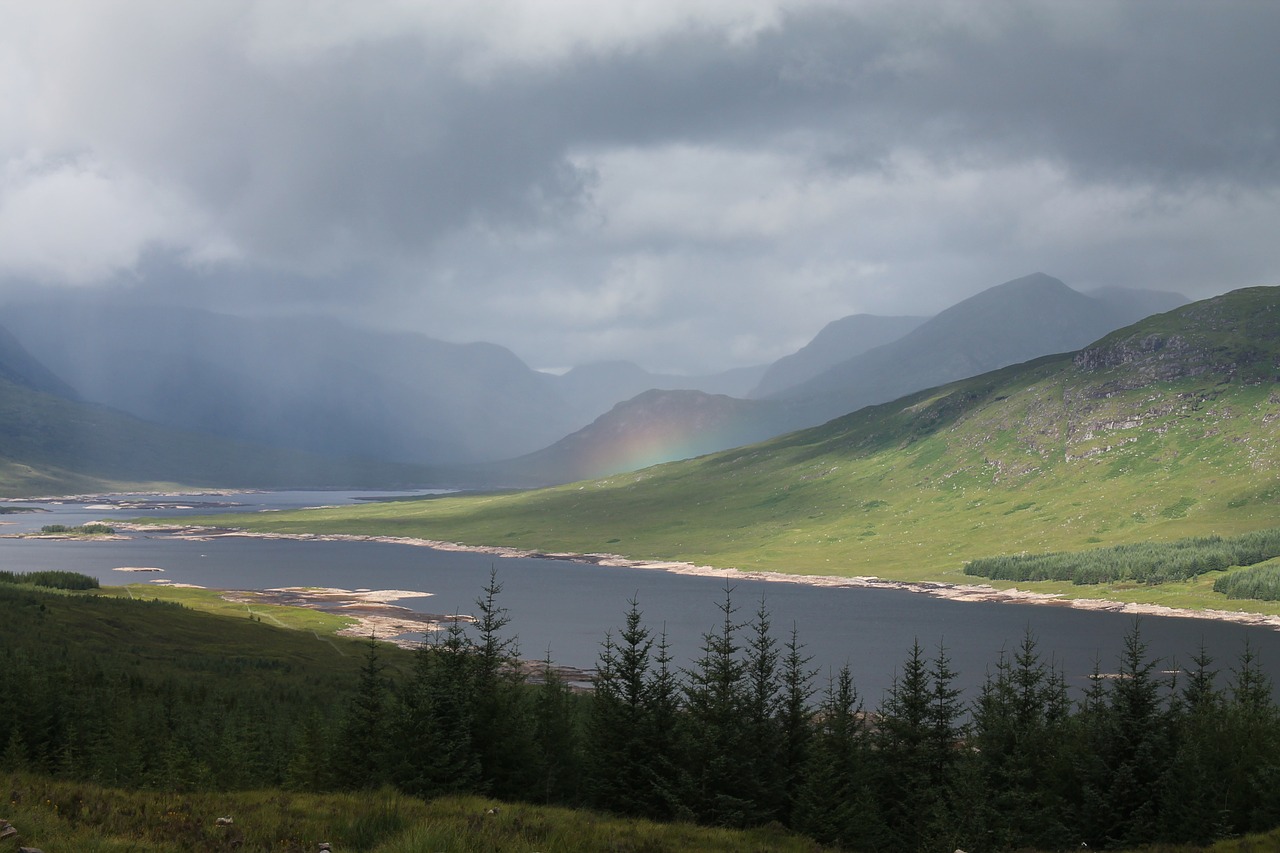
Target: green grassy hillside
column 1160, row 431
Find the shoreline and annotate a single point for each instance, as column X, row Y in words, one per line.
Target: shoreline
column 937, row 589
column 373, row 613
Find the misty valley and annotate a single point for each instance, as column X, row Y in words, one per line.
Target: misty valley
column 1006, row 577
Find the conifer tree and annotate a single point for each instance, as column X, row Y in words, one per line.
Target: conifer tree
column 1193, row 784
column 310, row 765
column 1252, row 742
column 14, row 757
column 503, row 725
column 1019, row 734
column 834, row 803
column 1091, row 728
column 904, row 762
column 1142, row 747
column 715, row 698
column 362, row 747
column 436, row 754
column 795, row 719
column 556, row 738
column 762, row 757
column 668, row 781
column 631, row 723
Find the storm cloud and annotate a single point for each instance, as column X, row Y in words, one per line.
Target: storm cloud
column 692, row 185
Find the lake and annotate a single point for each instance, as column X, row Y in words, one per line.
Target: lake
column 567, row 607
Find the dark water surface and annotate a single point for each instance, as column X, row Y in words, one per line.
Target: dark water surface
column 568, row 607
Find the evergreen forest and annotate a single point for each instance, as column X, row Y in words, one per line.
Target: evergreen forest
column 144, row 695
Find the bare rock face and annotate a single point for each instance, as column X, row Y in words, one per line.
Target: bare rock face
column 1151, row 357
column 1231, row 337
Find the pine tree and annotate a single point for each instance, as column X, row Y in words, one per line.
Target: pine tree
column 15, row 758
column 945, row 825
column 795, row 720
column 1137, row 749
column 363, row 745
column 631, row 724
column 1019, row 734
column 834, row 803
column 1252, row 742
column 555, row 732
column 1092, row 808
column 310, row 765
column 764, row 772
column 903, row 758
column 436, row 754
column 502, row 723
column 715, row 699
column 668, row 781
column 1191, row 791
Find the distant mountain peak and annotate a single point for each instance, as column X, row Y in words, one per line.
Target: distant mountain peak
column 837, row 341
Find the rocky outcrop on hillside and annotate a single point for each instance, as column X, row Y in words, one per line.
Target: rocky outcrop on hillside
column 1150, row 357
column 1236, row 335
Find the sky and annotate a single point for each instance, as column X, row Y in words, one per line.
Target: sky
column 692, row 185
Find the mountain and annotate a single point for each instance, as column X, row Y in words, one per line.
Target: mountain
column 301, row 382
column 593, row 389
column 52, row 445
column 1012, row 322
column 331, row 389
column 51, row 442
column 838, row 341
column 1162, row 430
column 19, row 367
column 652, row 427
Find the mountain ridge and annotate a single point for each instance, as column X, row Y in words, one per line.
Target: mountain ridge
column 1010, row 322
column 836, row 342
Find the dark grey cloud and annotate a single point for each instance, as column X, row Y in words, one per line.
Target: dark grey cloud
column 695, row 186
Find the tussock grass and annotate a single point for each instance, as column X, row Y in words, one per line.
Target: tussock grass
column 67, row 816
column 56, row 815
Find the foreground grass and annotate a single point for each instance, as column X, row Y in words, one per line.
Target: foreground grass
column 67, row 816
column 59, row 816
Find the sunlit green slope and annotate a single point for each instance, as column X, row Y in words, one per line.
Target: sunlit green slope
column 1165, row 429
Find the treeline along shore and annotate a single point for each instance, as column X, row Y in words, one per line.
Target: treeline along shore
column 147, row 695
